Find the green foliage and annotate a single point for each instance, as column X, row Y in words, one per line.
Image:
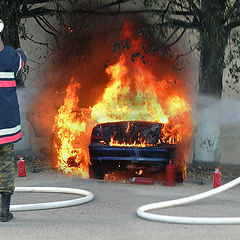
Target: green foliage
column 139, row 55
column 3, row 2
column 118, row 46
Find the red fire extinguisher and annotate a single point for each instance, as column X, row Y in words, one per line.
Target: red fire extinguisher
column 21, row 167
column 217, row 177
column 170, row 174
column 142, row 180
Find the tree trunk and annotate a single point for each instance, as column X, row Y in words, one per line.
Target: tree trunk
column 206, row 139
column 214, row 40
column 206, row 144
column 10, row 14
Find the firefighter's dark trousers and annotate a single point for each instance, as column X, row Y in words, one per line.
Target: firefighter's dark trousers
column 7, row 170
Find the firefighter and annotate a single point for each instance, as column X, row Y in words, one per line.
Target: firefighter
column 11, row 61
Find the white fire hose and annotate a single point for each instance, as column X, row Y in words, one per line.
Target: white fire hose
column 88, row 196
column 141, row 212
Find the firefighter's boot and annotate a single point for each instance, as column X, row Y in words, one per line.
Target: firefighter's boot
column 5, row 213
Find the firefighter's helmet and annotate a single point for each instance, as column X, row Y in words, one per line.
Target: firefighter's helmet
column 1, row 25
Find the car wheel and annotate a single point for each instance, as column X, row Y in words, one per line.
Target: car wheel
column 95, row 173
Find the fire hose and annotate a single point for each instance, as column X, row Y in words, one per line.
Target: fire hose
column 88, row 196
column 142, row 211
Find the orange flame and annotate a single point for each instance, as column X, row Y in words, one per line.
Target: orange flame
column 70, row 131
column 128, row 98
column 133, row 93
column 140, row 143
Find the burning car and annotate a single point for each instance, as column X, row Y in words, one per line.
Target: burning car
column 130, row 144
column 140, row 118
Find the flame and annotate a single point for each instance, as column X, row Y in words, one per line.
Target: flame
column 70, row 29
column 134, row 93
column 70, row 130
column 127, row 99
column 140, row 143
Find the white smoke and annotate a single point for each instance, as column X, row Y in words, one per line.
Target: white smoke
column 224, row 111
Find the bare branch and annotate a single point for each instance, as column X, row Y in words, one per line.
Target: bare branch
column 196, row 10
column 180, row 23
column 188, row 52
column 44, row 11
column 113, row 3
column 35, row 1
column 40, row 11
column 152, row 11
column 50, row 26
column 173, row 33
column 40, row 43
column 46, row 30
column 179, row 37
column 40, row 64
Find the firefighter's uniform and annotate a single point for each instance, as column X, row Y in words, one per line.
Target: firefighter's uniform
column 11, row 61
column 7, row 170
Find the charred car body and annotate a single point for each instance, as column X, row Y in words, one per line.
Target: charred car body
column 135, row 144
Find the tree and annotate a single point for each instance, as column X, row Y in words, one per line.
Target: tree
column 12, row 12
column 214, row 21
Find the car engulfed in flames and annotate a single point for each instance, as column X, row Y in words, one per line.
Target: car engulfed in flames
column 141, row 118
column 131, row 144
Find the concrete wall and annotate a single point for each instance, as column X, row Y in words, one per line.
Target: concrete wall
column 37, row 60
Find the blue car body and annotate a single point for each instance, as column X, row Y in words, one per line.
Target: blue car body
column 118, row 145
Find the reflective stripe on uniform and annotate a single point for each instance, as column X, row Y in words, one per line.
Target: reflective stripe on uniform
column 7, row 83
column 20, row 62
column 11, row 139
column 8, row 131
column 5, row 75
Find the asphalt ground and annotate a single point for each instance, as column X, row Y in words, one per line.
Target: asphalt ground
column 112, row 213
